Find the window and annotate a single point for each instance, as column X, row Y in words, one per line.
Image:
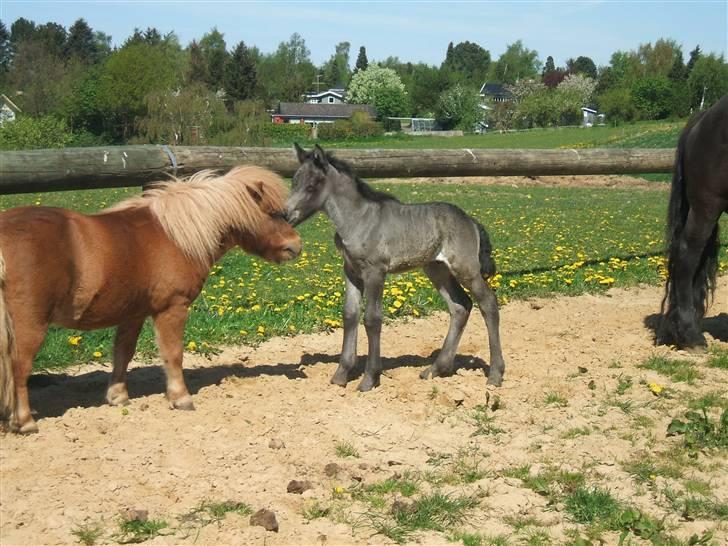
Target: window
column 331, row 100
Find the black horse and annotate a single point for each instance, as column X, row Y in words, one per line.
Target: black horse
column 698, row 197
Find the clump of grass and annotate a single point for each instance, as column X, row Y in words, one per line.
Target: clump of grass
column 315, row 510
column 346, row 449
column 691, row 506
column 88, row 533
column 590, row 505
column 576, row 432
column 718, row 358
column 406, row 485
column 681, row 371
column 624, row 384
column 134, row 531
column 551, row 482
column 477, row 539
column 483, row 421
column 555, row 399
column 699, row 431
column 645, row 470
column 715, row 399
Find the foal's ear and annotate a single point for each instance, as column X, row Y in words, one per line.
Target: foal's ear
column 256, row 191
column 300, row 153
column 319, row 158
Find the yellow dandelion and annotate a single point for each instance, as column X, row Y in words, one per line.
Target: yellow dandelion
column 97, row 354
column 74, row 340
column 192, row 346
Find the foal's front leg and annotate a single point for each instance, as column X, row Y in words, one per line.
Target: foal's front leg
column 352, row 305
column 373, row 286
column 169, row 327
column 124, row 347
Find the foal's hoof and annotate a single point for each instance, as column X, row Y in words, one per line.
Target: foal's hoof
column 184, row 403
column 118, row 399
column 425, row 374
column 367, row 384
column 340, row 377
column 494, row 380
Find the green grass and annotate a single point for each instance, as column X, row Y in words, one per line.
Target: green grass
column 587, row 505
column 346, row 449
column 555, row 399
column 483, row 421
column 87, row 534
column 700, row 431
column 645, row 470
column 134, row 531
column 314, row 510
column 677, row 370
column 546, row 241
column 718, row 358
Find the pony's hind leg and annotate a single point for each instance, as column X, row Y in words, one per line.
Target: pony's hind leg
column 459, row 305
column 124, row 347
column 28, row 340
column 169, row 327
column 352, row 304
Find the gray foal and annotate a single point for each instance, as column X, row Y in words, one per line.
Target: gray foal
column 376, row 235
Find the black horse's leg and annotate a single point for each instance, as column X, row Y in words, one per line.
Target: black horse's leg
column 373, row 286
column 459, row 305
column 352, row 305
column 683, row 320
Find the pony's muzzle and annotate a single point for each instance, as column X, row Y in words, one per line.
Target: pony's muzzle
column 293, row 249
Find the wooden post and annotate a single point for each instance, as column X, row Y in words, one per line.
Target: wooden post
column 119, row 166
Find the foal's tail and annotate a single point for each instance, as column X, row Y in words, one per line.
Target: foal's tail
column 7, row 342
column 677, row 215
column 487, row 263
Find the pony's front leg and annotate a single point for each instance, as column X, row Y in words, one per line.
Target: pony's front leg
column 373, row 286
column 124, row 347
column 352, row 304
column 29, row 337
column 169, row 328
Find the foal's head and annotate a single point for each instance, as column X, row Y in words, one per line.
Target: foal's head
column 312, row 184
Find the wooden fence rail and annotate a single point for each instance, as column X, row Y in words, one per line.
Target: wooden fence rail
column 119, row 166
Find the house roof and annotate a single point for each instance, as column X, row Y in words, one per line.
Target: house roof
column 494, row 89
column 335, row 92
column 10, row 103
column 321, row 110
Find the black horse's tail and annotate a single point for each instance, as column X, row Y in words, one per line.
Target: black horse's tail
column 487, row 263
column 677, row 215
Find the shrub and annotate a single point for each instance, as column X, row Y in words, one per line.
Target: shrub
column 286, row 131
column 27, row 133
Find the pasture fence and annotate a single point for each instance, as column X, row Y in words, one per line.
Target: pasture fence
column 31, row 171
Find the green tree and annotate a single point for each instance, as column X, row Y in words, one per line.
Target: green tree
column 470, row 61
column 27, row 133
column 336, row 70
column 652, row 97
column 678, row 75
column 81, row 43
column 5, row 54
column 241, row 77
column 129, row 75
column 459, row 108
column 197, row 64
column 361, row 60
column 695, row 54
column 426, row 85
column 549, row 66
column 288, row 73
column 52, row 37
column 708, row 81
column 582, row 65
column 516, row 63
column 20, row 31
column 213, row 48
column 380, row 87
column 617, row 106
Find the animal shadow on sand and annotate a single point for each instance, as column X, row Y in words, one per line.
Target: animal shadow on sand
column 716, row 326
column 52, row 394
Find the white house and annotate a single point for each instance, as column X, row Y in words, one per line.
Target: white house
column 330, row 96
column 8, row 109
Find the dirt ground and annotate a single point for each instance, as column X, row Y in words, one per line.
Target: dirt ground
column 268, row 415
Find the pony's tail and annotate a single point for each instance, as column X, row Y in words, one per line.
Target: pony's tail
column 7, row 342
column 487, row 263
column 704, row 281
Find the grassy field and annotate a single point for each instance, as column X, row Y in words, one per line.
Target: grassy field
column 546, row 240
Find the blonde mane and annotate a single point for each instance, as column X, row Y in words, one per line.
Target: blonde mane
column 198, row 211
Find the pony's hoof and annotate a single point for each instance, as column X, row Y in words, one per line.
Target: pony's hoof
column 367, row 384
column 31, row 427
column 340, row 377
column 118, row 399
column 184, row 403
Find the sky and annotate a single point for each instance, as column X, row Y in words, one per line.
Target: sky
column 411, row 30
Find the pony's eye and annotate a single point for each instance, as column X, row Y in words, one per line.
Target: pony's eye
column 311, row 188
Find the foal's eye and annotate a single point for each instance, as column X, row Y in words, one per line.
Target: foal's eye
column 311, row 188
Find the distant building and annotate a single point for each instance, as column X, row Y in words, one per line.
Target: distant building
column 8, row 109
column 495, row 92
column 314, row 113
column 591, row 117
column 330, row 96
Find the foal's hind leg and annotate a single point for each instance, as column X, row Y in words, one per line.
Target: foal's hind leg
column 352, row 304
column 124, row 348
column 488, row 304
column 169, row 327
column 373, row 286
column 459, row 305
column 28, row 340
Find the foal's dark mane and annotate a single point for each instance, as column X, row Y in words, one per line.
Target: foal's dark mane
column 364, row 189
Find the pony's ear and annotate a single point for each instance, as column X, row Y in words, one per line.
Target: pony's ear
column 256, row 191
column 300, row 153
column 319, row 158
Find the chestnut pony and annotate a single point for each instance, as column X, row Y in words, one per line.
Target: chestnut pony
column 146, row 256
